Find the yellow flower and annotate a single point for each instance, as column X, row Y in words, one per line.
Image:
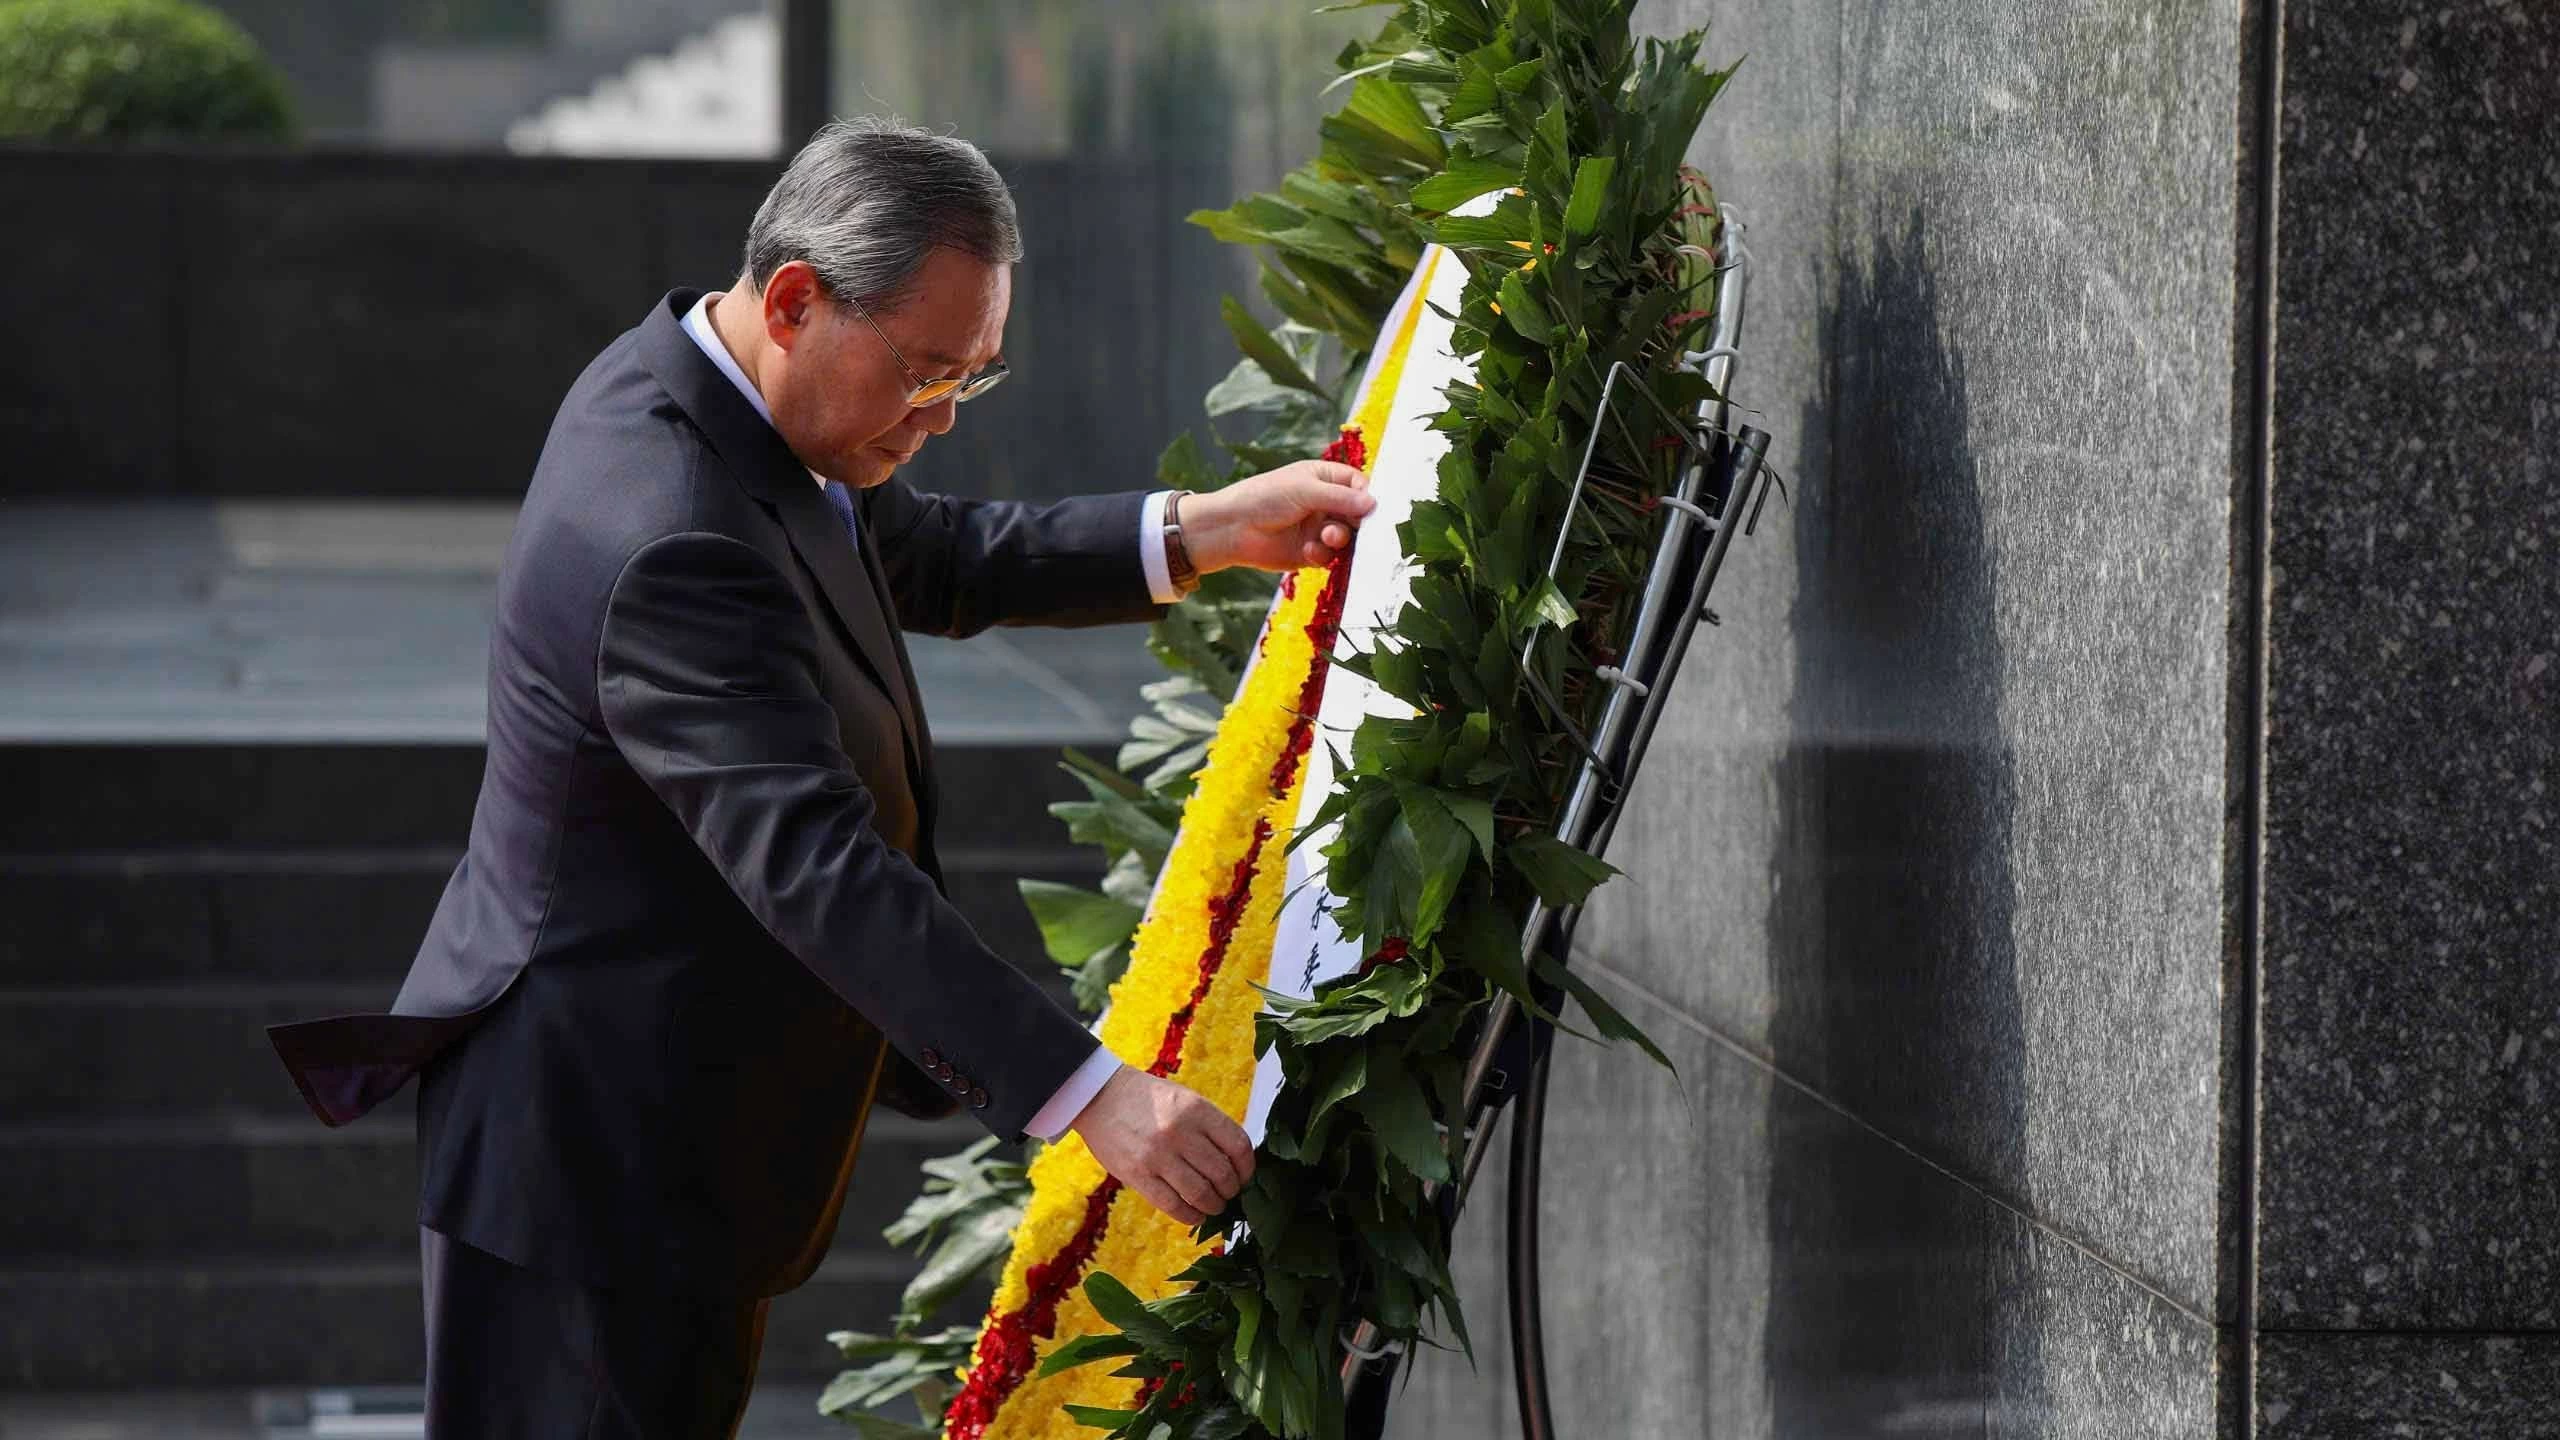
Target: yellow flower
column 1140, row 1246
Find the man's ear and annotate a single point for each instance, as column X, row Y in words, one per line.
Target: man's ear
column 791, row 298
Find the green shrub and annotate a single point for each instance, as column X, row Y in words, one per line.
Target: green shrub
column 126, row 69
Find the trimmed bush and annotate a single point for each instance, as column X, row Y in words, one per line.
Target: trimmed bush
column 130, row 69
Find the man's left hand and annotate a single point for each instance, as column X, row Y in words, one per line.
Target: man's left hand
column 1300, row 514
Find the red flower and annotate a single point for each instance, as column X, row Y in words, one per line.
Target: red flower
column 1394, row 950
column 1006, row 1353
column 1349, row 449
column 1322, row 627
column 1224, row 912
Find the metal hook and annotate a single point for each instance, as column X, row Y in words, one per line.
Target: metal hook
column 1697, row 359
column 1620, row 678
column 1691, row 508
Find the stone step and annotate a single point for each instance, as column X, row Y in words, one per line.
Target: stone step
column 67, row 798
column 288, row 1188
column 143, row 1051
column 304, row 917
column 139, row 1052
column 229, row 1321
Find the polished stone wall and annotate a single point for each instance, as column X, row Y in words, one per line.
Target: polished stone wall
column 1927, row 867
column 2408, row 1204
column 2042, row 1072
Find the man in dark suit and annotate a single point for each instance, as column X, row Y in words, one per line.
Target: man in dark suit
column 700, row 923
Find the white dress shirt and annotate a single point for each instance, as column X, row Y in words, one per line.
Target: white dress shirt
column 1053, row 1118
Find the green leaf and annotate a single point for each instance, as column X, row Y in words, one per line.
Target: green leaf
column 1511, row 220
column 1473, row 811
column 1605, row 1017
column 1467, row 177
column 1248, row 387
column 1076, row 923
column 1590, row 194
column 1457, row 1321
column 1525, row 312
column 1248, row 1305
column 1550, row 606
column 1091, row 987
column 951, row 1203
column 1293, row 300
column 1393, row 112
column 1394, row 888
column 1477, row 91
column 1180, row 466
column 1325, row 239
column 1313, row 1023
column 1099, row 1417
column 1183, row 641
column 1466, row 749
column 1562, row 875
column 1484, row 938
column 1259, row 346
column 1085, row 1349
column 1114, row 1302
column 1231, row 226
column 1393, row 1105
column 918, row 1367
column 1440, row 842
column 1168, row 734
column 1550, row 152
column 1350, row 1072
column 972, row 1247
column 876, row 1427
column 1115, row 821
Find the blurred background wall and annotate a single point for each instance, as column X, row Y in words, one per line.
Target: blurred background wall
column 393, row 305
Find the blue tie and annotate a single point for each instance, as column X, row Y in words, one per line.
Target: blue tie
column 842, row 499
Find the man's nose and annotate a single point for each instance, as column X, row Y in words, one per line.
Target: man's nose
column 938, row 416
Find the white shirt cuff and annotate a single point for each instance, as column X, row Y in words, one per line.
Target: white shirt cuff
column 1151, row 548
column 1052, row 1119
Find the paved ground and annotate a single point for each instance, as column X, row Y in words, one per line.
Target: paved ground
column 369, row 621
column 782, row 1412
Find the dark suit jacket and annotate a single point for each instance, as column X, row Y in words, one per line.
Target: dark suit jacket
column 700, row 905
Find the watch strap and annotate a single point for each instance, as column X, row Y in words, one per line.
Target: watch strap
column 1184, row 576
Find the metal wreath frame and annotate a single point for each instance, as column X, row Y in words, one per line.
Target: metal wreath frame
column 1718, row 494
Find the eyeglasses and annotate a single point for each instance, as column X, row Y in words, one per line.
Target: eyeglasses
column 930, row 392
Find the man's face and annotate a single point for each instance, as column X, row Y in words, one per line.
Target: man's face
column 838, row 395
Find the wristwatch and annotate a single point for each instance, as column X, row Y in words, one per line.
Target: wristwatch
column 1177, row 557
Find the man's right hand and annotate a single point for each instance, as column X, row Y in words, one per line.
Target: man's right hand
column 1167, row 1143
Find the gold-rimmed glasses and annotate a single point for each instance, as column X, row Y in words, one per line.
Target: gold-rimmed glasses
column 931, row 392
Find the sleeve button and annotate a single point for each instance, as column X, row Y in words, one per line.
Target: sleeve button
column 978, row 1097
column 929, row 1057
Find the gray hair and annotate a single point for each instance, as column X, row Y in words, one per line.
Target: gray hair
column 866, row 199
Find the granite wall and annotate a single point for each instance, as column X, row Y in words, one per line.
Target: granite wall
column 2407, row 1210
column 2140, row 724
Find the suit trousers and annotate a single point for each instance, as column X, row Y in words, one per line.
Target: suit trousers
column 513, row 1354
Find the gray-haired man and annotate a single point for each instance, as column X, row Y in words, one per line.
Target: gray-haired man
column 700, row 924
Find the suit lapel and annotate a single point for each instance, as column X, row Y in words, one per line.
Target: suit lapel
column 819, row 538
column 766, row 466
column 920, row 730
